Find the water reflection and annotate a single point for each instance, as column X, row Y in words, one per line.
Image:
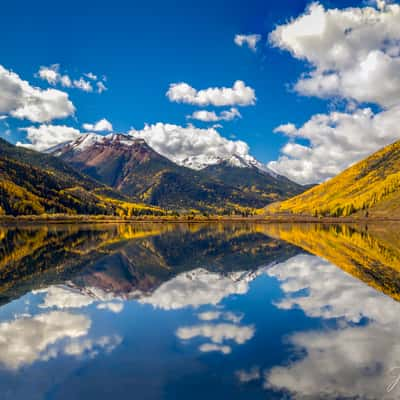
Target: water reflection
column 179, row 311
column 352, row 357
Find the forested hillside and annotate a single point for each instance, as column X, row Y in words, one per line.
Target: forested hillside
column 371, row 188
column 32, row 183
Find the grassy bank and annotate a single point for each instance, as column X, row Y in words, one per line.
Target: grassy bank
column 68, row 219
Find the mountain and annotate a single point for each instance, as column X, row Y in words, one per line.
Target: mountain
column 132, row 261
column 132, row 167
column 250, row 177
column 370, row 188
column 36, row 183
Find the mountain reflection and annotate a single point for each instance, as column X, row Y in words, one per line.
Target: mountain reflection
column 133, row 261
column 248, row 310
column 371, row 253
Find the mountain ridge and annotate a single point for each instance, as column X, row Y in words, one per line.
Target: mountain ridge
column 370, row 188
column 134, row 168
column 36, row 183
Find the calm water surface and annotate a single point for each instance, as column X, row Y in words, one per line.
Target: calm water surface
column 199, row 311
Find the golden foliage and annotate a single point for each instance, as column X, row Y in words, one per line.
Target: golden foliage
column 369, row 255
column 360, row 188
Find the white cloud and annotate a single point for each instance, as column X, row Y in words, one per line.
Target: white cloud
column 354, row 52
column 212, row 347
column 111, row 306
column 209, row 315
column 91, row 76
column 191, row 146
column 50, row 74
column 355, row 362
column 246, row 376
column 239, row 94
column 92, row 347
column 62, row 297
column 21, row 100
column 336, row 141
column 25, row 340
column 101, row 87
column 196, row 288
column 249, row 40
column 214, row 315
column 217, row 333
column 45, row 136
column 100, row 126
column 53, row 76
column 348, row 360
column 83, row 84
column 212, row 116
column 329, row 292
column 65, row 81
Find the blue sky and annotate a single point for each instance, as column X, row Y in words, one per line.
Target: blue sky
column 143, row 47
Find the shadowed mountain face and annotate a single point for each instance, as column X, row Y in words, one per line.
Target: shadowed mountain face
column 36, row 183
column 135, row 169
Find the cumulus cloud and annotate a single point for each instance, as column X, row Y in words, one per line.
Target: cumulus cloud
column 249, row 40
column 353, row 359
column 91, row 76
column 100, row 126
column 212, row 116
column 329, row 292
column 355, row 362
column 111, row 306
column 246, row 376
column 217, row 333
column 191, row 146
column 49, row 74
column 21, row 100
column 212, row 347
column 335, row 141
column 52, row 75
column 354, row 52
column 62, row 297
column 92, row 347
column 239, row 94
column 44, row 137
column 214, row 315
column 196, row 288
column 83, row 84
column 101, row 87
column 25, row 340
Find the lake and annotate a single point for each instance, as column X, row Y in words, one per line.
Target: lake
column 218, row 311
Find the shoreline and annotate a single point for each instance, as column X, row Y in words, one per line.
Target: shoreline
column 83, row 219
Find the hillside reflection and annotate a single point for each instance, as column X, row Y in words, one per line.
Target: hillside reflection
column 234, row 311
column 128, row 260
column 369, row 253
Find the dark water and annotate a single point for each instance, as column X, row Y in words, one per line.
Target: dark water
column 199, row 312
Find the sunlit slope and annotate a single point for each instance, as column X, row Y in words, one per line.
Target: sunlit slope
column 369, row 188
column 32, row 183
column 372, row 255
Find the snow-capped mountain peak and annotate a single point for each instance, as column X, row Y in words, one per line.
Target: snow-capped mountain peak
column 195, row 162
column 203, row 161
